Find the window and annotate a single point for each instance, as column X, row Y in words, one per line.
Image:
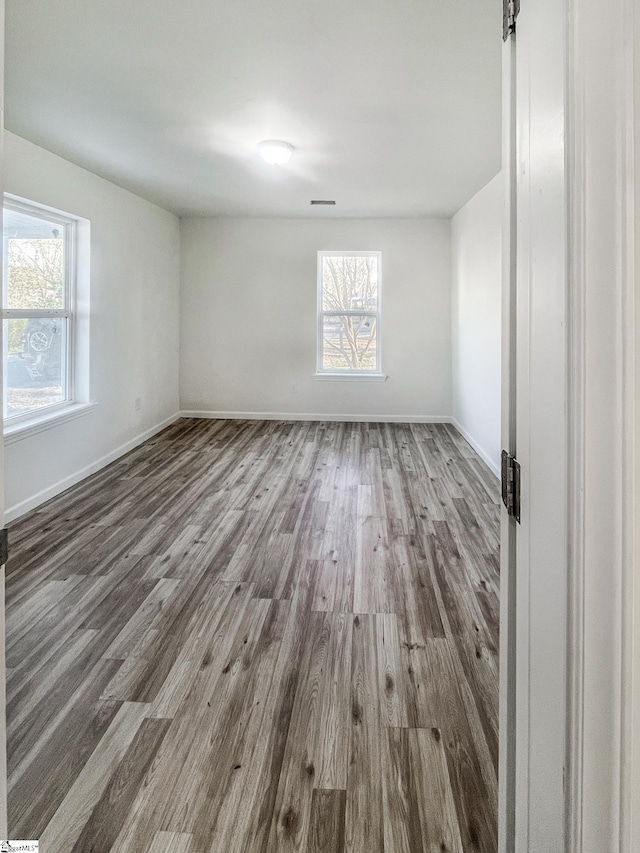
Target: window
column 37, row 302
column 349, row 313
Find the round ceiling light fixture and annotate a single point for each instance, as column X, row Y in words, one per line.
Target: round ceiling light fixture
column 275, row 152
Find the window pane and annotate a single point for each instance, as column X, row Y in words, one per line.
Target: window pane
column 35, row 360
column 349, row 282
column 35, row 261
column 349, row 343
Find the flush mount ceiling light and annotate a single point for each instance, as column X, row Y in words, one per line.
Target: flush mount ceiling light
column 275, row 152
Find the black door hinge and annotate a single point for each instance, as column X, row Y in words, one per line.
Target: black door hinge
column 510, row 9
column 4, row 546
column 511, row 485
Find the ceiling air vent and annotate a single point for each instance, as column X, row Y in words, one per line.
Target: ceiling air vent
column 321, row 201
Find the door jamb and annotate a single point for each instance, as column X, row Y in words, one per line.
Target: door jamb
column 507, row 734
column 603, row 707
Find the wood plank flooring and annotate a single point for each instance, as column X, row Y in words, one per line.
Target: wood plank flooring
column 260, row 637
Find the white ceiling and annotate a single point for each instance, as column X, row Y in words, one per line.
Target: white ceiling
column 393, row 106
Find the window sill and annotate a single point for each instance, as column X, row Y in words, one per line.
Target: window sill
column 43, row 422
column 351, row 377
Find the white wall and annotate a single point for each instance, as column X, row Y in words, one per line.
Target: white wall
column 134, row 292
column 476, row 259
column 248, row 317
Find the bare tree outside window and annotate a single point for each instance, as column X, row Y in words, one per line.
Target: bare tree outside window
column 349, row 285
column 36, row 309
column 35, row 278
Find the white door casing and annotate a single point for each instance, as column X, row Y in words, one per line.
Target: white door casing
column 506, row 769
column 577, row 430
column 533, row 712
column 603, row 772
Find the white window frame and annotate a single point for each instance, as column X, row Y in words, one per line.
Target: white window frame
column 375, row 373
column 70, row 226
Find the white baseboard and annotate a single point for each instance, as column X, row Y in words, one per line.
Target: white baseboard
column 15, row 511
column 479, row 450
column 303, row 416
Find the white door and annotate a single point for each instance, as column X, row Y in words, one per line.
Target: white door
column 534, row 575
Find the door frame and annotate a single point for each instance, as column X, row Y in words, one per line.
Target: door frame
column 603, row 759
column 507, row 730
column 533, row 583
column 602, row 474
column 602, row 501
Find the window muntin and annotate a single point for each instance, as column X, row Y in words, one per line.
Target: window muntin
column 37, row 309
column 349, row 313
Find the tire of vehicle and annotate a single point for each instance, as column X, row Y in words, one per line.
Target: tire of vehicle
column 39, row 341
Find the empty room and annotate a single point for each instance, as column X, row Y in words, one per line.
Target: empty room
column 252, row 324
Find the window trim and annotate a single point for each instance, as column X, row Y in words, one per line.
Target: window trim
column 70, row 225
column 51, row 416
column 322, row 313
